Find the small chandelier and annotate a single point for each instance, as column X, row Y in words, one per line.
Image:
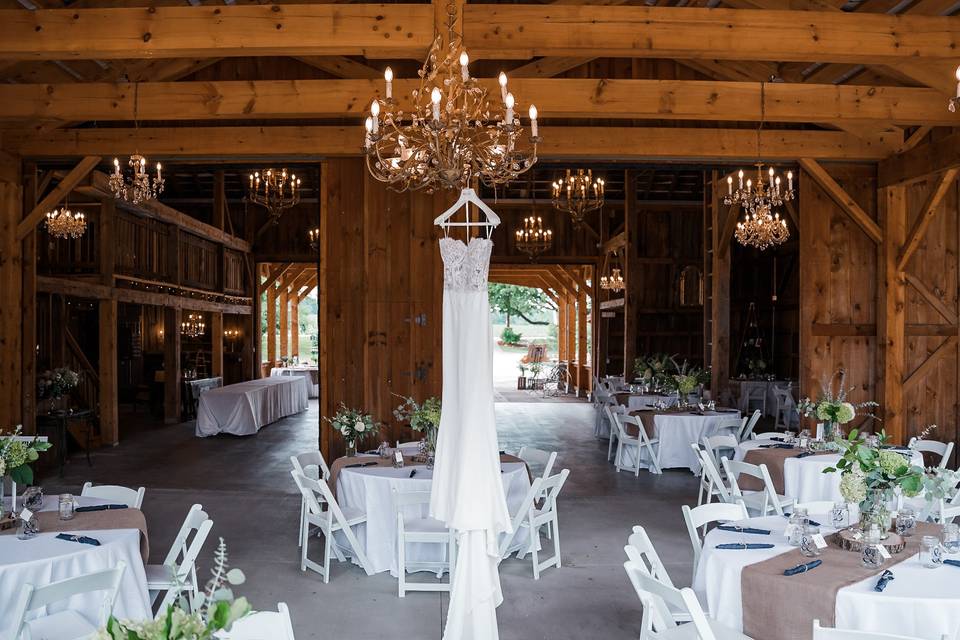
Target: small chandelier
column 66, row 224
column 232, row 334
column 314, row 239
column 533, row 239
column 139, row 187
column 613, row 282
column 578, row 194
column 193, row 326
column 452, row 133
column 762, row 226
column 275, row 190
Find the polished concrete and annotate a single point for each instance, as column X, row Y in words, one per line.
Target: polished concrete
column 245, row 486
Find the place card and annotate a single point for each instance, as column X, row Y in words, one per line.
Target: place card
column 26, row 515
column 819, row 541
column 884, row 553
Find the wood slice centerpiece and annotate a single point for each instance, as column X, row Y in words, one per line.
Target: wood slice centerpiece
column 847, row 540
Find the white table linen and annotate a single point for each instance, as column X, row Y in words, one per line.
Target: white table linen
column 748, row 386
column 638, row 401
column 677, row 431
column 244, row 408
column 804, row 479
column 303, row 372
column 44, row 559
column 371, row 490
column 921, row 603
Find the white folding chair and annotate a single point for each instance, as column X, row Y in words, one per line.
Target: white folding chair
column 641, row 442
column 178, row 573
column 827, row 633
column 705, row 514
column 133, row 498
column 529, row 517
column 770, row 435
column 942, row 449
column 414, row 529
column 328, row 521
column 712, row 445
column 761, row 502
column 748, row 426
column 756, row 394
column 813, row 506
column 539, row 458
column 640, row 550
column 312, row 465
column 610, row 410
column 601, row 399
column 711, row 480
column 260, row 625
column 786, row 407
column 729, row 425
column 948, row 512
column 662, row 602
column 67, row 624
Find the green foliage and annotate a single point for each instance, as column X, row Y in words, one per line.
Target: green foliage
column 881, row 468
column 515, row 301
column 509, row 336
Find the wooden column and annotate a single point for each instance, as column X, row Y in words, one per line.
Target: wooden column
column 171, row 365
column 720, row 291
column 271, row 325
column 583, row 375
column 216, row 342
column 571, row 326
column 107, row 242
column 11, row 284
column 891, row 318
column 284, row 300
column 28, row 310
column 219, row 201
column 109, row 421
column 561, row 327
column 631, row 273
column 294, row 324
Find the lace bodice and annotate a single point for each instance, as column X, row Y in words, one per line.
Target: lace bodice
column 465, row 265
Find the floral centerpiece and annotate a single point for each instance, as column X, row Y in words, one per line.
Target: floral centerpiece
column 686, row 381
column 869, row 472
column 16, row 456
column 352, row 425
column 657, row 369
column 422, row 417
column 216, row 609
column 833, row 409
column 56, row 383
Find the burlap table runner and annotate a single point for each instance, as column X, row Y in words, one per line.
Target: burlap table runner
column 779, row 607
column 340, row 463
column 50, row 522
column 774, row 459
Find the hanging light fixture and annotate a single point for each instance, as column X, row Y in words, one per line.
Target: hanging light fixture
column 578, row 194
column 762, row 226
column 66, row 224
column 450, row 133
column 314, row 235
column 275, row 190
column 193, row 326
column 533, row 239
column 614, row 280
column 140, row 186
column 954, row 101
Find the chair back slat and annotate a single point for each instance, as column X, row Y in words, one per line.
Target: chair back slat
column 133, row 498
column 640, row 549
column 307, row 461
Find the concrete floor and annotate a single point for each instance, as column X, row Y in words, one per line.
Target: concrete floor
column 244, row 485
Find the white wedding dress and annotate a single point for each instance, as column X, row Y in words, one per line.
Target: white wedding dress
column 467, row 491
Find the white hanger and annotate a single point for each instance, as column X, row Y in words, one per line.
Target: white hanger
column 467, row 197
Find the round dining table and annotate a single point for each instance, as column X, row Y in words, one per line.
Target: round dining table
column 919, row 602
column 370, row 489
column 44, row 558
column 677, row 429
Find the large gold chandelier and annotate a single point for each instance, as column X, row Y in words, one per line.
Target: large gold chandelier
column 275, row 190
column 578, row 194
column 533, row 239
column 451, row 133
column 140, row 186
column 66, row 224
column 193, row 326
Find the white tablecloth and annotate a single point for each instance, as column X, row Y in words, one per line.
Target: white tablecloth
column 44, row 559
column 747, row 386
column 243, row 408
column 677, row 431
column 638, row 401
column 305, row 372
column 921, row 603
column 371, row 490
column 804, row 479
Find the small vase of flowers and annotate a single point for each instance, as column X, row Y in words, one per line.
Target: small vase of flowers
column 834, row 409
column 655, row 370
column 423, row 417
column 686, row 381
column 55, row 385
column 352, row 425
column 17, row 453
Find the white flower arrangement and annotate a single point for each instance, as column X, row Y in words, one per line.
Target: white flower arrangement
column 56, row 383
column 352, row 423
column 835, row 408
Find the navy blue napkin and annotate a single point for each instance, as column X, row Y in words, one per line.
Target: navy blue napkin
column 804, row 454
column 69, row 537
column 952, row 563
column 777, row 445
column 885, row 578
column 802, row 568
column 809, row 521
column 744, row 545
column 100, row 507
column 359, row 464
column 735, row 528
column 413, row 472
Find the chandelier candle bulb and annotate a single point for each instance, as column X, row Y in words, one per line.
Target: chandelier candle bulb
column 368, row 125
column 388, row 76
column 464, row 61
column 730, row 185
column 375, row 112
column 509, row 102
column 435, row 99
column 502, row 79
column 790, row 181
column 533, row 121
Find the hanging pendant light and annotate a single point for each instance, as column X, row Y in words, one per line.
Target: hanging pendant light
column 139, row 186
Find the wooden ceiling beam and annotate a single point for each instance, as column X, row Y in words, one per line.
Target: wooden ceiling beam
column 276, row 272
column 554, row 97
column 920, row 162
column 342, row 67
column 586, row 143
column 372, row 30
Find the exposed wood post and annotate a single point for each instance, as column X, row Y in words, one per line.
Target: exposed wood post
column 891, row 290
column 106, row 240
column 294, row 324
column 631, row 273
column 571, row 336
column 171, row 365
column 271, row 326
column 284, row 299
column 219, row 201
column 561, row 326
column 720, row 293
column 216, row 341
column 109, row 420
column 11, row 284
column 583, row 378
column 28, row 300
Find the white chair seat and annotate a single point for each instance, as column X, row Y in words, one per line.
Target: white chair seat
column 424, row 525
column 161, row 576
column 65, row 625
column 689, row 632
column 353, row 515
column 754, row 500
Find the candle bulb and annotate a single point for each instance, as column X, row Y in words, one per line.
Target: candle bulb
column 435, row 99
column 388, row 76
column 502, row 79
column 375, row 112
column 749, row 185
column 509, row 103
column 740, row 177
column 533, row 121
column 464, row 61
column 158, row 171
column 730, row 185
column 790, row 180
column 368, row 125
column 771, row 177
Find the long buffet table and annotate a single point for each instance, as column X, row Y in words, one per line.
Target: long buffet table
column 244, row 408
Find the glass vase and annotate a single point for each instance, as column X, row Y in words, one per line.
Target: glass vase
column 351, row 448
column 874, row 511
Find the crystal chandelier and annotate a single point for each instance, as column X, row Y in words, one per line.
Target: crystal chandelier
column 613, row 282
column 66, row 224
column 140, row 186
column 193, row 326
column 452, row 133
column 275, row 190
column 762, row 226
column 533, row 239
column 578, row 194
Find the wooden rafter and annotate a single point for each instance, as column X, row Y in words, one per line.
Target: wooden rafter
column 921, row 161
column 275, row 273
column 52, row 199
column 921, row 372
column 927, row 212
column 842, row 198
column 932, row 299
